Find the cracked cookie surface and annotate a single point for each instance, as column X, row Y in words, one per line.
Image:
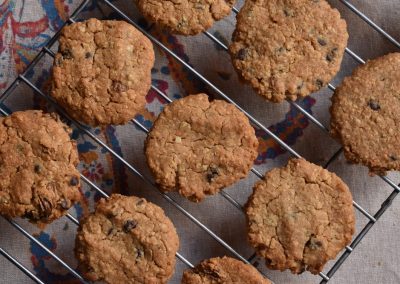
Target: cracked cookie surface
column 364, row 114
column 300, row 217
column 225, row 270
column 287, row 49
column 38, row 175
column 101, row 73
column 186, row 17
column 127, row 240
column 197, row 147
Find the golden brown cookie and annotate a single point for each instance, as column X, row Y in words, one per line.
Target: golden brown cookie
column 300, row 217
column 185, row 17
column 102, row 71
column 364, row 114
column 223, row 270
column 197, row 147
column 287, row 49
column 38, row 175
column 127, row 240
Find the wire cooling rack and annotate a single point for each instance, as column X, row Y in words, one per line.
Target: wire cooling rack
column 23, row 79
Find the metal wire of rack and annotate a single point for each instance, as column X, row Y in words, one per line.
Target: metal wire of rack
column 22, row 79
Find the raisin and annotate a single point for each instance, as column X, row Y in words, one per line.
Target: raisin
column 37, row 169
column 241, row 55
column 140, row 202
column 331, row 55
column 302, row 268
column 66, row 54
column 321, row 41
column 110, row 231
column 319, row 83
column 88, row 55
column 281, row 49
column 205, row 271
column 31, row 216
column 313, row 243
column 211, row 273
column 374, row 105
column 234, row 36
column 182, row 23
column 45, row 207
column 393, row 157
column 139, row 253
column 118, row 87
column 111, row 215
column 212, row 172
column 74, row 181
column 300, row 86
column 58, row 61
column 129, row 225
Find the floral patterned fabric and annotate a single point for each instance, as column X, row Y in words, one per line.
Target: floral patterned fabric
column 26, row 26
